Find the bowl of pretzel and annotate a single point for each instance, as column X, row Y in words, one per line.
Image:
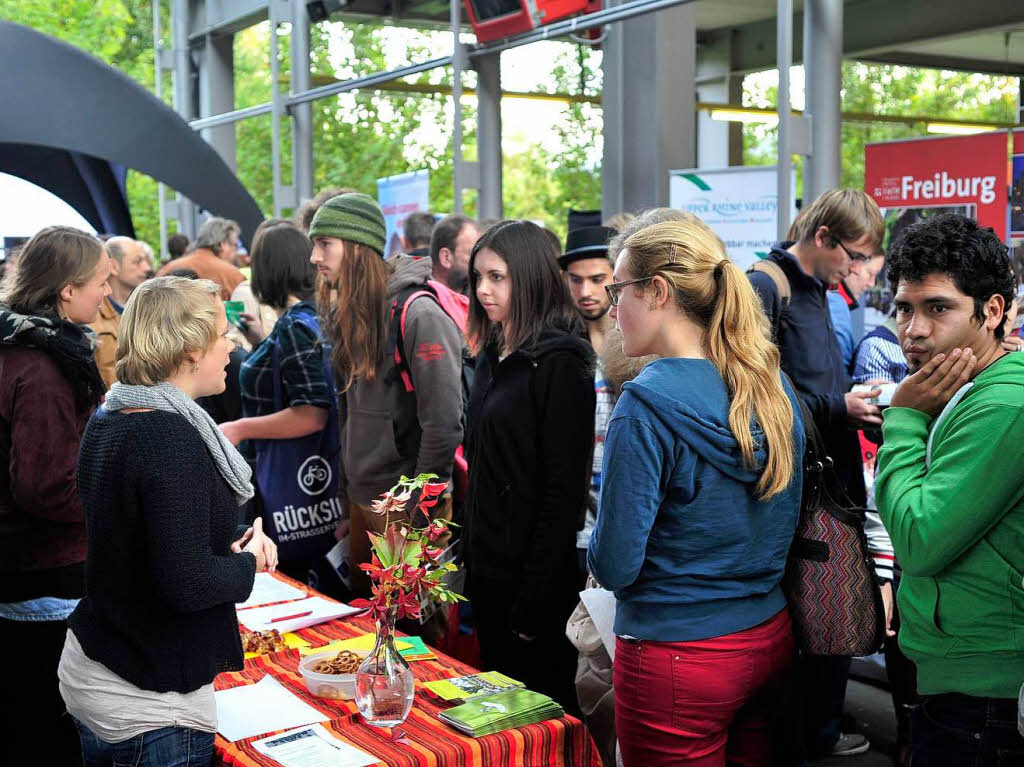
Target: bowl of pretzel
column 331, row 674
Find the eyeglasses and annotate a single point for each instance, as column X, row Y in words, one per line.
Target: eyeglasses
column 615, row 287
column 857, row 258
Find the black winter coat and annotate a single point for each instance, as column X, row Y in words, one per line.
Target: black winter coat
column 530, row 442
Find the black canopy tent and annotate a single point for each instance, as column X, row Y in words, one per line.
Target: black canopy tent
column 73, row 125
column 93, row 187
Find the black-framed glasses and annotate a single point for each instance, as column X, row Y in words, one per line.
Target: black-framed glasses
column 615, row 287
column 853, row 255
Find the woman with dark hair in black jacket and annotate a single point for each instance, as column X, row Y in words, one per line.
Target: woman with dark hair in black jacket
column 531, row 432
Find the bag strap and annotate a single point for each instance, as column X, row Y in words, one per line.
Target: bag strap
column 396, row 336
column 276, row 375
column 775, row 273
column 818, row 465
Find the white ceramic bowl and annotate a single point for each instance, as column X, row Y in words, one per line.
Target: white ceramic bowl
column 334, row 686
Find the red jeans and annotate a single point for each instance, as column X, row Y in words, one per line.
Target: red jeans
column 705, row 703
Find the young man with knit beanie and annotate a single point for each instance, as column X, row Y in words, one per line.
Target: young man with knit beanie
column 395, row 419
column 949, row 491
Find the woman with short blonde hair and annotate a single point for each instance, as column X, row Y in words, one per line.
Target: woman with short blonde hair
column 699, row 504
column 166, row 561
column 178, row 316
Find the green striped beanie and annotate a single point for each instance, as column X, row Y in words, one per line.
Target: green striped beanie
column 353, row 217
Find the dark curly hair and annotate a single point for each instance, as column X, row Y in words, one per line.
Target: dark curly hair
column 972, row 256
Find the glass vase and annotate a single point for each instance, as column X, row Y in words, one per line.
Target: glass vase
column 384, row 682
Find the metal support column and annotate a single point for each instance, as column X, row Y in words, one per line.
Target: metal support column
column 183, row 100
column 823, row 67
column 158, row 70
column 458, row 59
column 488, row 135
column 649, row 102
column 276, row 112
column 784, row 164
column 302, row 114
column 217, row 94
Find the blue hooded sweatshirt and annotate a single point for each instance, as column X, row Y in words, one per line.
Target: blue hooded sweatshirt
column 681, row 536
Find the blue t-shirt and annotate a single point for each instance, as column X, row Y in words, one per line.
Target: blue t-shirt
column 842, row 325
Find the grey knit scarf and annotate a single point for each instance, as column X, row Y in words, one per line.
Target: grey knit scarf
column 168, row 397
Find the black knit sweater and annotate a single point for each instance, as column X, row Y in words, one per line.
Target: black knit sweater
column 161, row 580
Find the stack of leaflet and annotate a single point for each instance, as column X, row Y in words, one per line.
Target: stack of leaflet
column 462, row 688
column 503, row 711
column 410, row 648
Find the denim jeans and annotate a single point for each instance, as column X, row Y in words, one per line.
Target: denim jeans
column 954, row 730
column 166, row 747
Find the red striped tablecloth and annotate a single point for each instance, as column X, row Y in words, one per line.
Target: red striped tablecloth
column 424, row 740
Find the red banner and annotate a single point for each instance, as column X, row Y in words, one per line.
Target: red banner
column 919, row 178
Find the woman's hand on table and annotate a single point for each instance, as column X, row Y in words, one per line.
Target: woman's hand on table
column 256, row 542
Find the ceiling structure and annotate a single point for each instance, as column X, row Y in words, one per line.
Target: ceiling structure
column 925, row 33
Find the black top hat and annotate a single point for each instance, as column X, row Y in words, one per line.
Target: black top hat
column 586, row 242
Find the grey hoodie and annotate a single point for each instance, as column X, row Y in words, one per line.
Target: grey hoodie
column 387, row 432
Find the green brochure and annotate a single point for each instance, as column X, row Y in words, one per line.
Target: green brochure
column 502, row 711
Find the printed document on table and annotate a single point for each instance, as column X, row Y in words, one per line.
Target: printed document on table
column 256, row 709
column 312, row 747
column 266, row 589
column 292, row 616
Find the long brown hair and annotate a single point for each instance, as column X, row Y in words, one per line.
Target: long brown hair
column 353, row 313
column 55, row 257
column 540, row 298
column 716, row 293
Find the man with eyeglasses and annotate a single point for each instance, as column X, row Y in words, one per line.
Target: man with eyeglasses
column 840, row 229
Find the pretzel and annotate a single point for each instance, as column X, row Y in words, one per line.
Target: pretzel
column 263, row 642
column 345, row 662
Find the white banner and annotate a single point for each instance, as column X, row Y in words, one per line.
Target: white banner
column 739, row 204
column 398, row 196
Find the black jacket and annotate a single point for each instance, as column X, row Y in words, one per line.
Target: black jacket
column 531, row 433
column 812, row 359
column 161, row 581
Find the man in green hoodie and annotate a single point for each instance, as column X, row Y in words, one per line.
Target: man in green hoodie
column 949, row 491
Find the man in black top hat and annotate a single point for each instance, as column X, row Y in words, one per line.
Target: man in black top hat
column 588, row 268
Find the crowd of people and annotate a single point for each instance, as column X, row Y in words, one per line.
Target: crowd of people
column 628, row 411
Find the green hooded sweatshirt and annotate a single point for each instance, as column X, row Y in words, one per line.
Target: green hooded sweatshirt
column 957, row 529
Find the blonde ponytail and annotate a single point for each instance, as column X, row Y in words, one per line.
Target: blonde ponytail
column 714, row 292
column 738, row 344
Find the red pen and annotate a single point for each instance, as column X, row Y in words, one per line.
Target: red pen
column 291, row 617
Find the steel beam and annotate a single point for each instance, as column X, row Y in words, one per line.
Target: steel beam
column 632, row 9
column 458, row 60
column 784, row 163
column 874, row 29
column 302, row 114
column 823, row 34
column 490, row 203
column 648, row 130
column 183, row 102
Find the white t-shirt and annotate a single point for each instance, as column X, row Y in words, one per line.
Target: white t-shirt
column 116, row 710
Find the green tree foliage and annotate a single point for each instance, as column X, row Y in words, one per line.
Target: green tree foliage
column 886, row 90
column 359, row 136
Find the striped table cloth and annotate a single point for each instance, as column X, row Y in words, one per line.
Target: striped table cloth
column 424, row 740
